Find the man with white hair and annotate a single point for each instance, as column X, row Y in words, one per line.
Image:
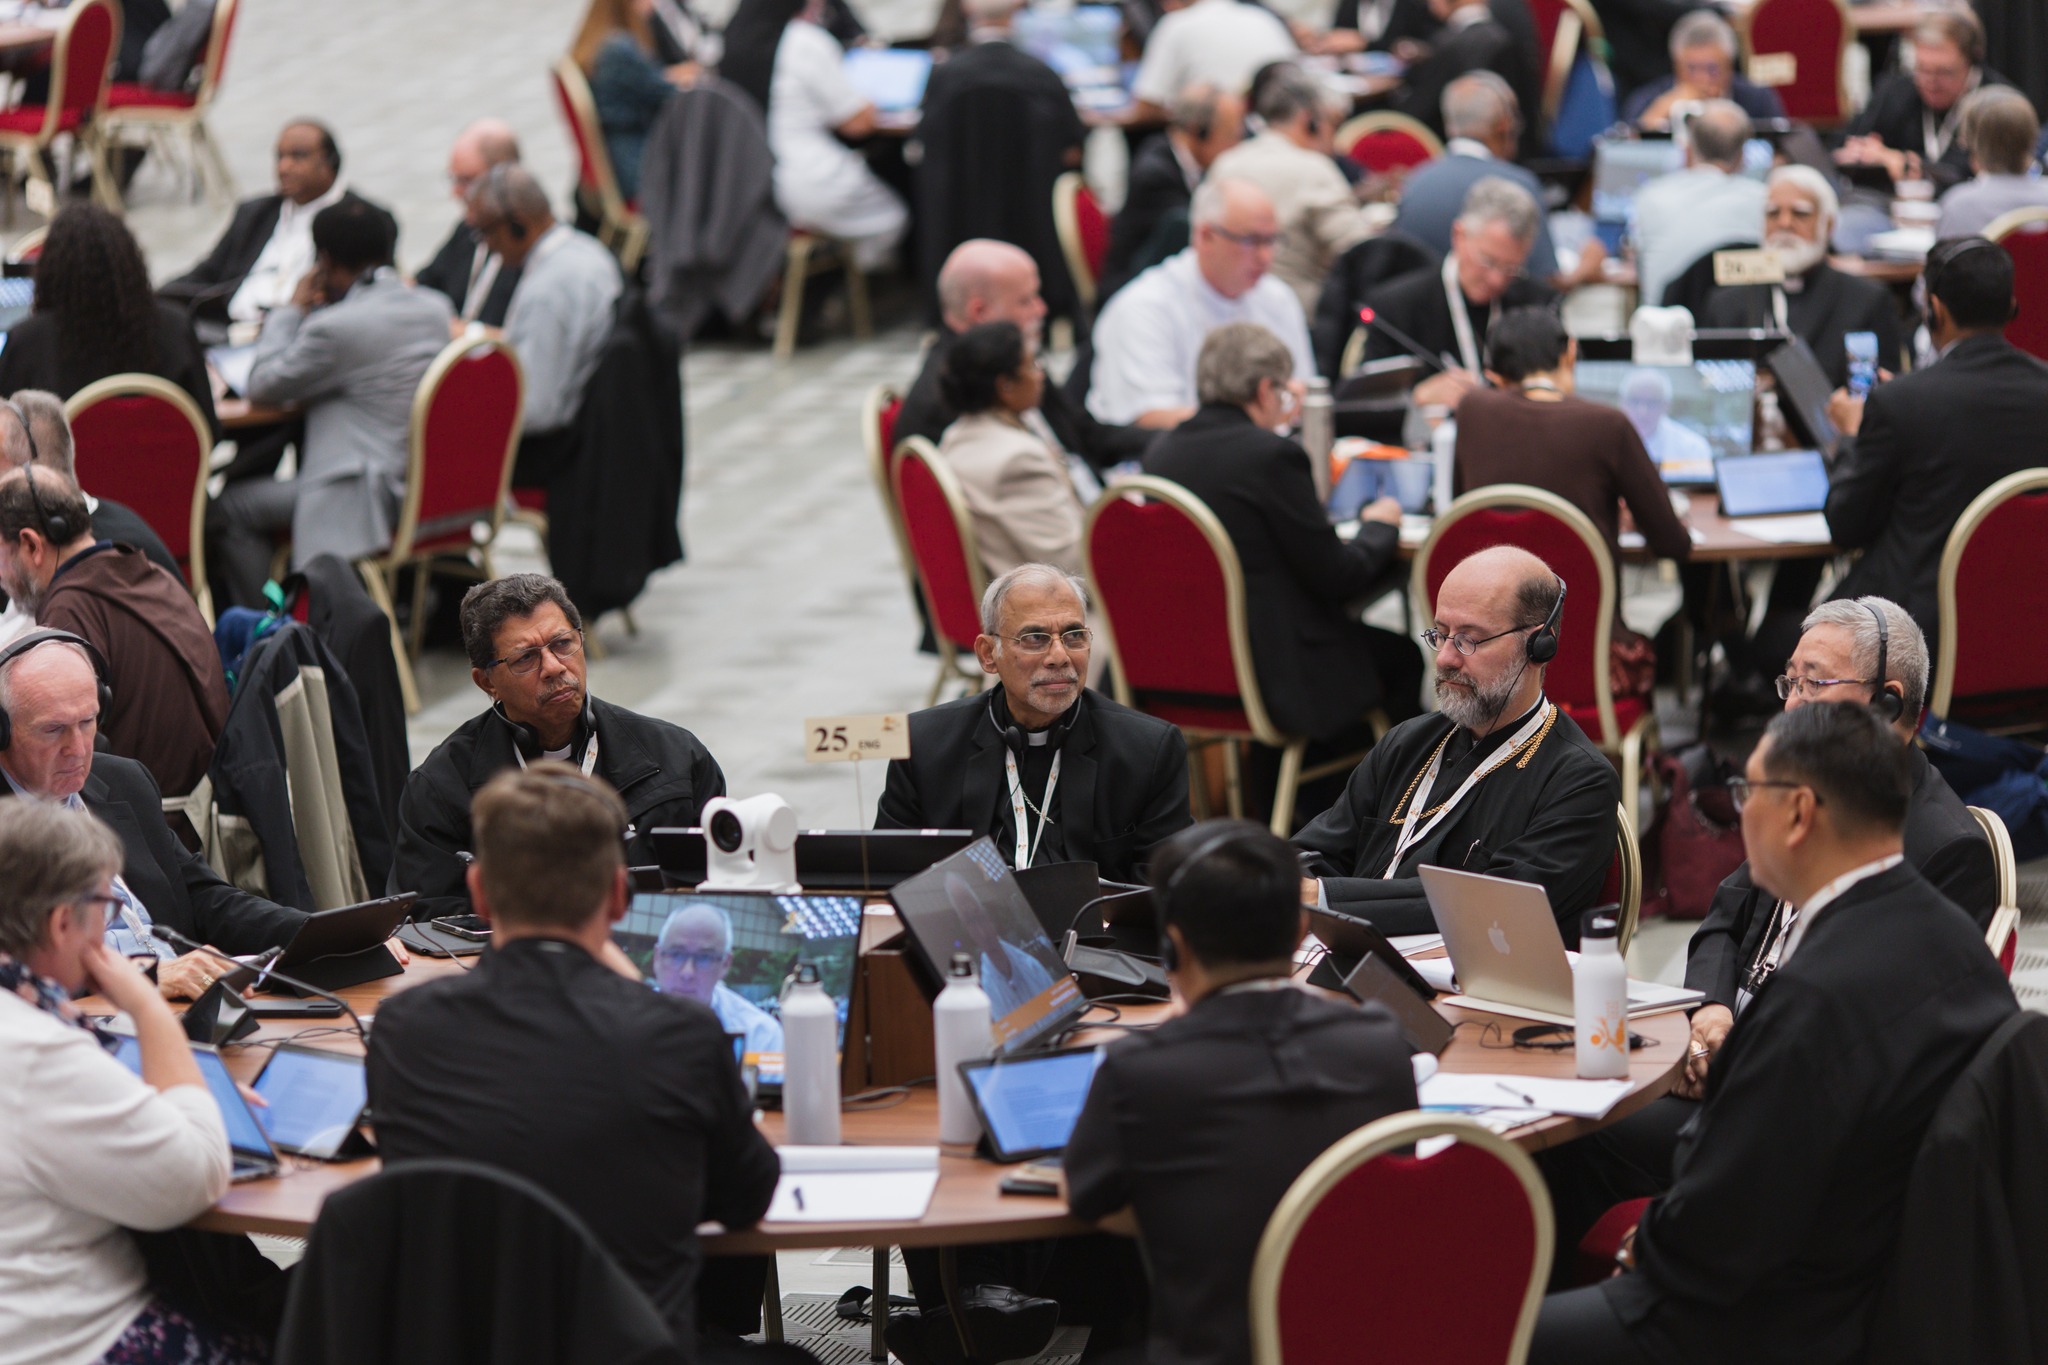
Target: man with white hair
column 1050, row 770
column 1703, row 49
column 1148, row 337
column 1646, row 401
column 2001, row 132
column 1682, row 216
column 478, row 283
column 691, row 957
column 1817, row 303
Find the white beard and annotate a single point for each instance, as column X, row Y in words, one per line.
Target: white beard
column 1795, row 254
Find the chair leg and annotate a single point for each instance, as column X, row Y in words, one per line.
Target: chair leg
column 223, row 179
column 373, row 583
column 416, row 631
column 857, row 299
column 635, row 246
column 931, row 698
column 106, row 191
column 878, row 1315
column 1632, row 770
column 1290, row 782
column 792, row 297
column 632, row 626
column 771, row 1303
column 1198, row 779
column 1233, row 780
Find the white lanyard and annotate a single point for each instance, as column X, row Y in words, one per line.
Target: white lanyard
column 1416, row 830
column 589, row 756
column 1778, row 308
column 1027, row 847
column 1461, row 320
column 1935, row 137
column 483, row 276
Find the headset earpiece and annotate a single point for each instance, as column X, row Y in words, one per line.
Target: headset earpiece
column 1542, row 646
column 1888, row 705
column 28, row 642
column 1162, row 897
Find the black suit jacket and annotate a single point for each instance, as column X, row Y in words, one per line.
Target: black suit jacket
column 1489, row 45
column 926, row 413
column 207, row 286
column 1123, row 782
column 449, row 271
column 1315, row 670
column 1783, row 1218
column 1831, row 306
column 1415, row 303
column 1894, row 114
column 1409, row 21
column 1943, row 841
column 1931, row 441
column 1158, row 186
column 177, row 887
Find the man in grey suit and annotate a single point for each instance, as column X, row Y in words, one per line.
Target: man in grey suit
column 351, row 347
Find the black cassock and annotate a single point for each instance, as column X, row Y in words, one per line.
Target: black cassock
column 1547, row 816
column 1827, row 309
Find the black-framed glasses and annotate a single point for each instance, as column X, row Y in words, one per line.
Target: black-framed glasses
column 564, row 647
column 1809, row 688
column 1039, row 641
column 1739, row 789
column 1465, row 644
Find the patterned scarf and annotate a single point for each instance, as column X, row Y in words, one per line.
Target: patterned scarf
column 17, row 978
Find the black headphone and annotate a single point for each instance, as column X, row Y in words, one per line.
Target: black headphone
column 1541, row 647
column 56, row 528
column 1013, row 734
column 1162, row 897
column 525, row 737
column 1945, row 254
column 44, row 637
column 1888, row 705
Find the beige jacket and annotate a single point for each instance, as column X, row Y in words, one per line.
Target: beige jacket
column 1319, row 217
column 1024, row 504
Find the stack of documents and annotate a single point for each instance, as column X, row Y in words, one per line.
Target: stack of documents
column 854, row 1184
column 1532, row 1096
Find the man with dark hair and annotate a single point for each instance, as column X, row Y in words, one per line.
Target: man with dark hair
column 1194, row 1130
column 351, row 347
column 1778, row 1233
column 268, row 246
column 525, row 643
column 1922, row 446
column 631, row 1107
column 170, row 697
column 1498, row 780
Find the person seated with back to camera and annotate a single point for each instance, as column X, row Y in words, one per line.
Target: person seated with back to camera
column 1499, row 781
column 1194, row 1130
column 524, row 638
column 1052, row 771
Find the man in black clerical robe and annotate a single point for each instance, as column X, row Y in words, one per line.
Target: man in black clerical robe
column 1781, row 1225
column 1498, row 781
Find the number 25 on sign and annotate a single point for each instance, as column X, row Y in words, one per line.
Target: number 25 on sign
column 851, row 739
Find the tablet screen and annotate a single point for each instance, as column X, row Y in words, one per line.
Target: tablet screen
column 243, row 1133
column 315, row 1099
column 1773, row 485
column 1029, row 1104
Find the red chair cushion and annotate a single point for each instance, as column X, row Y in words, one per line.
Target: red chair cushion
column 1627, row 711
column 1388, row 149
column 1367, row 1279
column 1998, row 582
column 1094, row 226
column 1597, row 1249
column 532, row 499
column 2010, row 953
column 88, row 59
column 1811, row 32
column 2028, row 248
column 28, row 119
column 586, row 167
column 885, row 425
column 133, row 95
column 939, row 552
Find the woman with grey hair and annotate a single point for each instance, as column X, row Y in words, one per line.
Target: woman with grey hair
column 92, row 1149
column 1320, row 669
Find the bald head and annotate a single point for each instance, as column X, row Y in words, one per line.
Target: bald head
column 486, row 143
column 51, row 696
column 1502, row 573
column 1718, row 132
column 1491, row 604
column 989, row 281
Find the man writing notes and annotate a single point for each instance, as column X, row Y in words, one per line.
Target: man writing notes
column 1053, row 772
column 1498, row 781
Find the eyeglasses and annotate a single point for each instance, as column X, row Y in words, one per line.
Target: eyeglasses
column 1464, row 644
column 109, row 905
column 1809, row 688
column 1739, row 789
column 563, row 647
column 1039, row 641
column 702, row 961
column 1257, row 241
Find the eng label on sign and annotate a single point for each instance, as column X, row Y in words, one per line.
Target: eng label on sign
column 1773, row 69
column 852, row 739
column 1748, row 267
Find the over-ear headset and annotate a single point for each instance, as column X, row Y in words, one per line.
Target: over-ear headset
column 525, row 737
column 1888, row 705
column 1541, row 647
column 44, row 637
column 1013, row 734
column 1945, row 254
column 1162, row 897
column 56, row 528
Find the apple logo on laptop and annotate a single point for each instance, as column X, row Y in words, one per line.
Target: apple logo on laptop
column 1498, row 938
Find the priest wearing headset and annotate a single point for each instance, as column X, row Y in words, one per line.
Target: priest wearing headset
column 1050, row 770
column 524, row 638
column 1499, row 780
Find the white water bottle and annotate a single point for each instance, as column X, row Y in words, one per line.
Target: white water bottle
column 1600, row 1000
column 959, row 1034
column 810, row 1062
column 1443, row 451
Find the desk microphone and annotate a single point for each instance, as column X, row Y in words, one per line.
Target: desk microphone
column 264, row 974
column 1370, row 319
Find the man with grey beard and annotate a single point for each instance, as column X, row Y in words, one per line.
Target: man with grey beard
column 1499, row 780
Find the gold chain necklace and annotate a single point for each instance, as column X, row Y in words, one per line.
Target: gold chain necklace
column 1527, row 750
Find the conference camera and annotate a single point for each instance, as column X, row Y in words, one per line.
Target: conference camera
column 750, row 845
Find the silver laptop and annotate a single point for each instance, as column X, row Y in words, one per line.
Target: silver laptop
column 1503, row 943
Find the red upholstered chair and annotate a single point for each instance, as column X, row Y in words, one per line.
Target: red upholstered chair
column 1986, row 673
column 1564, row 538
column 1171, row 595
column 1602, row 1243
column 1561, row 27
column 2003, row 937
column 1385, row 141
column 27, row 249
column 1353, row 1267
column 465, row 433
column 939, row 531
column 2024, row 235
column 1800, row 48
column 144, row 115
column 81, row 63
column 878, row 434
column 619, row 224
column 141, row 440
column 1083, row 231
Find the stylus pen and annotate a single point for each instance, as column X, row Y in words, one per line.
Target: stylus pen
column 1529, row 1100
column 796, row 1192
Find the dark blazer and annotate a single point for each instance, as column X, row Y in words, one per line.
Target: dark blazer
column 1831, row 306
column 662, row 772
column 1489, row 45
column 1315, row 669
column 926, row 413
column 1757, row 101
column 1123, row 782
column 1158, row 186
column 1410, row 20
column 1899, row 485
column 1639, row 38
column 30, row 360
column 176, row 886
column 1895, row 113
column 1415, row 303
column 207, row 286
column 1783, row 1218
column 448, row 272
column 1943, row 841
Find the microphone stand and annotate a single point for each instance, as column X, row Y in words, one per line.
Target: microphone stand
column 1372, row 319
column 264, row 974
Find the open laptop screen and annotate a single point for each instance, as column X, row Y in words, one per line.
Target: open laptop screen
column 1687, row 415
column 1773, row 485
column 245, row 1135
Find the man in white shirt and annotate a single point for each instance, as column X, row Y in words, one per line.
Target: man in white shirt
column 1646, row 399
column 1209, row 42
column 1682, row 216
column 1319, row 216
column 1148, row 337
column 691, row 958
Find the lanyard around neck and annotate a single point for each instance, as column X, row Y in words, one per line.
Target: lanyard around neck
column 1415, row 829
column 1027, row 845
column 589, row 764
column 1461, row 318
